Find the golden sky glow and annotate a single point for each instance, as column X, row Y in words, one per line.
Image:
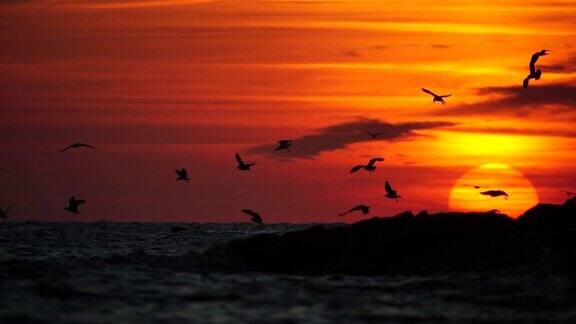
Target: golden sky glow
column 521, row 194
column 164, row 84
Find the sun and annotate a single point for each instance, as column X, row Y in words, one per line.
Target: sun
column 493, row 176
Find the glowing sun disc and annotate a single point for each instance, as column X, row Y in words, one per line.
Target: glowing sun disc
column 493, row 176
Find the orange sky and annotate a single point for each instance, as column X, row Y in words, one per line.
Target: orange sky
column 157, row 85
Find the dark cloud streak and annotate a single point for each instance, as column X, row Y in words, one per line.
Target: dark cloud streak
column 340, row 136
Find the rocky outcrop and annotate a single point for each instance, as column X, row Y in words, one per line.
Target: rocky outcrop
column 407, row 243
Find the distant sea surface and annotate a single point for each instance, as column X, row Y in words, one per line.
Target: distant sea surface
column 141, row 273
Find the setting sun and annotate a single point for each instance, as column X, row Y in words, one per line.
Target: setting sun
column 466, row 194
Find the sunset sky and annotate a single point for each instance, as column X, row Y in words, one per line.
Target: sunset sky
column 158, row 85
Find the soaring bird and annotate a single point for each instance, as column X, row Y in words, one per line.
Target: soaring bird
column 495, row 193
column 182, row 175
column 439, row 98
column 361, row 208
column 391, row 193
column 370, row 167
column 241, row 165
column 534, row 73
column 73, row 204
column 254, row 216
column 4, row 212
column 474, row 186
column 373, row 135
column 284, row 145
column 77, row 145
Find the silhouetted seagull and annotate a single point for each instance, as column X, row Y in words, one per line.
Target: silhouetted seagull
column 4, row 212
column 534, row 74
column 438, row 98
column 361, row 208
column 284, row 145
column 568, row 193
column 495, row 193
column 77, row 145
column 182, row 175
column 254, row 216
column 241, row 165
column 73, row 204
column 373, row 135
column 391, row 193
column 370, row 167
column 474, row 186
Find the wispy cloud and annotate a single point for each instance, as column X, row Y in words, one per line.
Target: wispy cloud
column 513, row 100
column 110, row 4
column 341, row 135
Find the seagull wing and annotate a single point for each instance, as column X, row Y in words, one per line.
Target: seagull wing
column 72, row 199
column 379, row 133
column 284, row 142
column 80, row 201
column 356, row 168
column 67, row 147
column 86, row 145
column 525, row 83
column 7, row 209
column 533, row 60
column 389, row 189
column 429, row 92
column 250, row 213
column 239, row 159
column 446, row 96
column 374, row 160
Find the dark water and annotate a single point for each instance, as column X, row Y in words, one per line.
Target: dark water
column 137, row 273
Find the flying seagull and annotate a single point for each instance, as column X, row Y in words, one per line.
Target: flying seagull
column 4, row 212
column 373, row 135
column 241, row 165
column 182, row 175
column 254, row 216
column 438, row 98
column 284, row 145
column 391, row 193
column 495, row 193
column 77, row 145
column 534, row 74
column 568, row 193
column 370, row 167
column 73, row 204
column 474, row 186
column 361, row 208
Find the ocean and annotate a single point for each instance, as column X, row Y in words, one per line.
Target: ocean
column 145, row 273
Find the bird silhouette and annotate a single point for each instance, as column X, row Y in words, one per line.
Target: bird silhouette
column 73, row 205
column 568, row 193
column 534, row 73
column 361, row 208
column 370, row 167
column 241, row 165
column 474, row 186
column 373, row 135
column 4, row 212
column 284, row 145
column 437, row 98
column 391, row 193
column 77, row 145
column 254, row 216
column 182, row 175
column 495, row 193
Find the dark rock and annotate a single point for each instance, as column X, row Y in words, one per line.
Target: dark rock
column 426, row 243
